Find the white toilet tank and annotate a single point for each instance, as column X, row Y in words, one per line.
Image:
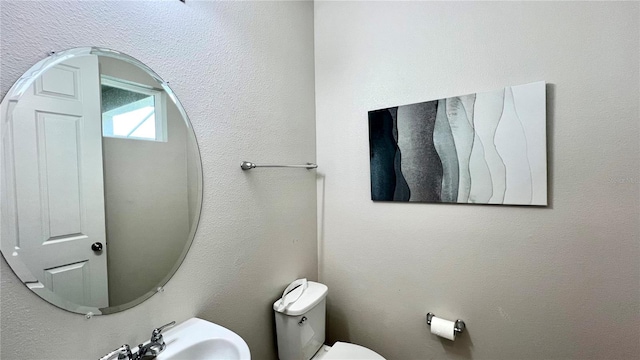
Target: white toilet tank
column 300, row 325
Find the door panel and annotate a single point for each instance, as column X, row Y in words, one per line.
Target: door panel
column 59, row 169
column 64, row 280
column 60, row 82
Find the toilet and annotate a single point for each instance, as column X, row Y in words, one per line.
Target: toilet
column 300, row 326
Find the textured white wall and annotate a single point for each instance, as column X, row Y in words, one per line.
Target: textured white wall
column 244, row 73
column 531, row 283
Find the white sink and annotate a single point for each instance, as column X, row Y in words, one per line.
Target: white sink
column 197, row 339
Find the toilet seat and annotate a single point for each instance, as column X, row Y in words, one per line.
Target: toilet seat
column 347, row 351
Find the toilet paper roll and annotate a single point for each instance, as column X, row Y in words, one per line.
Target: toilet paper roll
column 443, row 328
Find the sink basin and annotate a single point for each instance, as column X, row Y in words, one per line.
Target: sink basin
column 197, row 339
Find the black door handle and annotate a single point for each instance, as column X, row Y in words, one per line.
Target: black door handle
column 96, row 246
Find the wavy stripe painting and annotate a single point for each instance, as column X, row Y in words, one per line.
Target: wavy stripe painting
column 483, row 148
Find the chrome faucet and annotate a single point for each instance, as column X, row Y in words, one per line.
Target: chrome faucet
column 123, row 353
column 155, row 345
column 145, row 351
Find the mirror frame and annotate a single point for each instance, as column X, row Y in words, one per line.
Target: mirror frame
column 6, row 116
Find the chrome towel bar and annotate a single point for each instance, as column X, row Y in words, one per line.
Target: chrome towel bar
column 246, row 165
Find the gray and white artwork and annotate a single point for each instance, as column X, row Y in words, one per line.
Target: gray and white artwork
column 483, row 148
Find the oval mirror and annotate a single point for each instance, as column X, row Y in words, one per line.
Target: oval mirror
column 101, row 181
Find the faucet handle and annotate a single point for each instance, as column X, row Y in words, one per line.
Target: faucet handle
column 123, row 353
column 156, row 334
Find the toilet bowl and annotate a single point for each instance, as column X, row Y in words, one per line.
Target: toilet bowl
column 300, row 326
column 346, row 351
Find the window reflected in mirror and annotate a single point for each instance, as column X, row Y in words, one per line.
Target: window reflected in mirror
column 132, row 111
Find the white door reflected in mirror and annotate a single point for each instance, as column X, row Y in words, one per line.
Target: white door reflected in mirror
column 57, row 154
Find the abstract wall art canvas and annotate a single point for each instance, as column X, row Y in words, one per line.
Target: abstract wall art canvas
column 483, row 148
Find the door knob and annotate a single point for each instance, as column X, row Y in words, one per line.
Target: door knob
column 96, row 246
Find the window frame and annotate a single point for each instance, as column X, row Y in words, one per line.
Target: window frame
column 160, row 106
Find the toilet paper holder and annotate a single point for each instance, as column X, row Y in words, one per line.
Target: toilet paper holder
column 458, row 327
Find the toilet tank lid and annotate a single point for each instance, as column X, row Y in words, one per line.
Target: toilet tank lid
column 311, row 296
